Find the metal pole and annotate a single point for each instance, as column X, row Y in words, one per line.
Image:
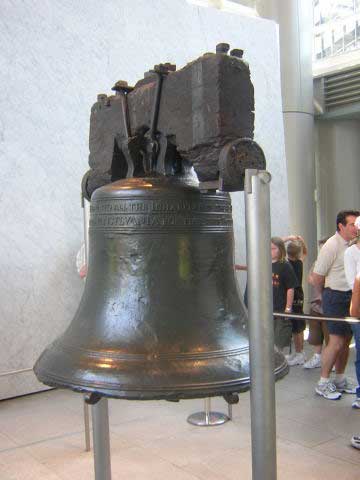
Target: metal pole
column 207, row 410
column 207, row 418
column 101, row 439
column 306, row 316
column 230, row 412
column 87, row 426
column 261, row 330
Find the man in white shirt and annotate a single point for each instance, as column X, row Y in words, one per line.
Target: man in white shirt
column 329, row 274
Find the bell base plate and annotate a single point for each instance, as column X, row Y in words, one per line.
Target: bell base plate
column 201, row 419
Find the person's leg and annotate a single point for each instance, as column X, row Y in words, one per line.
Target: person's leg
column 356, row 332
column 299, row 342
column 342, row 383
column 330, row 354
column 325, row 332
column 336, row 304
column 316, row 340
column 282, row 332
column 343, row 355
column 297, row 327
column 325, row 387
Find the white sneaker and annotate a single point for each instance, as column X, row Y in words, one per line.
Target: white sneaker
column 296, row 359
column 327, row 390
column 314, row 361
column 346, row 386
column 355, row 441
column 356, row 404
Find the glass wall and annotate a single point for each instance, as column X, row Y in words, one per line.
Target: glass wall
column 336, row 27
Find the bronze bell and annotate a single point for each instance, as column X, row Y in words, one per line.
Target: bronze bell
column 160, row 317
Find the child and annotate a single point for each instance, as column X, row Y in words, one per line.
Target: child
column 284, row 281
column 296, row 250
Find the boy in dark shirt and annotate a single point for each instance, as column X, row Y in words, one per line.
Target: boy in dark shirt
column 283, row 281
column 296, row 250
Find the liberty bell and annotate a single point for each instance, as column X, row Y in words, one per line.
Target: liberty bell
column 160, row 316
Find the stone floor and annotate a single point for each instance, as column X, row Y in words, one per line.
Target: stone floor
column 42, row 437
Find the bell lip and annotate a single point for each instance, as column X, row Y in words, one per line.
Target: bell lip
column 176, row 394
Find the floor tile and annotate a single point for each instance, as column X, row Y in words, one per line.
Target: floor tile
column 299, row 463
column 140, row 464
column 19, row 465
column 303, row 434
column 39, row 422
column 6, row 443
column 67, row 458
column 223, row 465
column 203, row 443
column 341, row 448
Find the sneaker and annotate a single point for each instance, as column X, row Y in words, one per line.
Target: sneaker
column 314, row 361
column 346, row 386
column 356, row 404
column 327, row 390
column 296, row 359
column 355, row 441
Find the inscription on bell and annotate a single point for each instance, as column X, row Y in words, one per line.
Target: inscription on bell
column 149, row 206
column 173, row 214
column 156, row 220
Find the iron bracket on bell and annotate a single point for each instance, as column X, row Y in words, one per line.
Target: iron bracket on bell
column 93, row 398
column 144, row 153
column 122, row 89
column 236, row 157
column 156, row 142
column 231, row 398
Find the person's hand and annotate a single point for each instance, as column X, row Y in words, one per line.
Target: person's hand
column 290, row 238
column 299, row 238
column 83, row 271
column 240, row 267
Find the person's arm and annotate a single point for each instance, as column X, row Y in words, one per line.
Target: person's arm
column 317, row 280
column 240, row 267
column 323, row 264
column 350, row 267
column 289, row 238
column 355, row 299
column 304, row 247
column 289, row 299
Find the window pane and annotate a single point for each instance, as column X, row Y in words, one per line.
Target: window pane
column 336, row 23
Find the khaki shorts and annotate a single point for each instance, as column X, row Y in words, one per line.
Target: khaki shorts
column 282, row 332
column 318, row 331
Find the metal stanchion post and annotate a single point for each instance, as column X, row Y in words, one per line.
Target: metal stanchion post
column 207, row 418
column 261, row 333
column 230, row 412
column 101, row 439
